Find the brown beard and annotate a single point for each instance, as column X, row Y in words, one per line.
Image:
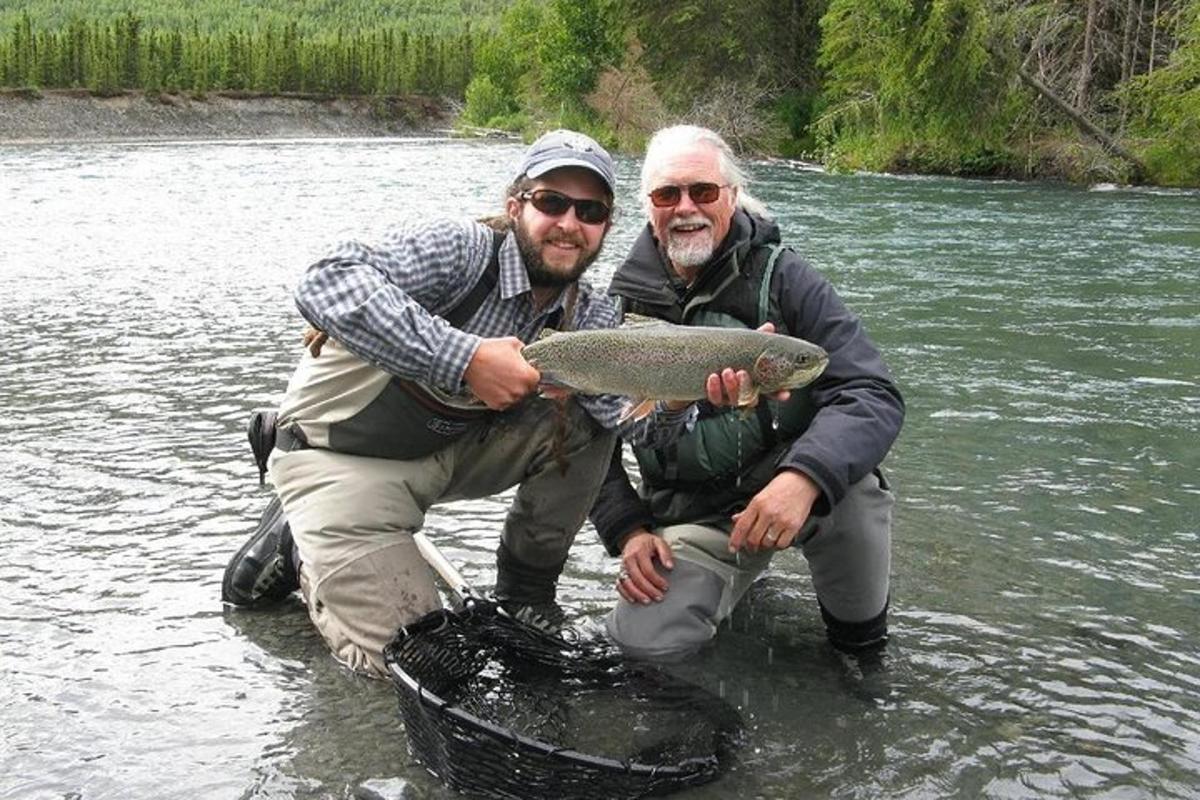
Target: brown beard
column 541, row 276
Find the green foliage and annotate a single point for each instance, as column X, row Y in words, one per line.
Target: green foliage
column 797, row 110
column 901, row 150
column 913, row 60
column 1176, row 160
column 574, row 117
column 690, row 45
column 950, row 71
column 516, row 122
column 486, row 102
column 1166, row 107
column 308, row 16
column 918, row 85
column 124, row 53
column 503, row 64
column 577, row 40
column 542, row 62
column 915, row 81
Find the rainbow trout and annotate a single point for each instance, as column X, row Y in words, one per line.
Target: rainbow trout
column 661, row 361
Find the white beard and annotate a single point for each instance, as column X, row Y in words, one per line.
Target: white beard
column 691, row 250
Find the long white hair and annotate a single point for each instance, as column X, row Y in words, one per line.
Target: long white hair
column 670, row 140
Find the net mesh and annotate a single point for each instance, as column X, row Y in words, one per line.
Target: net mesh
column 496, row 708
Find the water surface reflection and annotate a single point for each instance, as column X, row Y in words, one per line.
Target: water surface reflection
column 1046, row 591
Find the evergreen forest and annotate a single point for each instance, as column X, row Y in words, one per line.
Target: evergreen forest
column 1078, row 89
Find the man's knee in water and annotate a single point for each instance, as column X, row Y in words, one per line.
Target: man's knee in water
column 678, row 625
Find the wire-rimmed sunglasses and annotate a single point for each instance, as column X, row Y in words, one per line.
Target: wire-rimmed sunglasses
column 701, row 193
column 555, row 204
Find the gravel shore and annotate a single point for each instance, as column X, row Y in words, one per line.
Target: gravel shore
column 58, row 116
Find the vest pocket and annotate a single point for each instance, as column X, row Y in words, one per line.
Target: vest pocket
column 404, row 422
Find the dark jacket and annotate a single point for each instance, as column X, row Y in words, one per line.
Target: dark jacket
column 859, row 409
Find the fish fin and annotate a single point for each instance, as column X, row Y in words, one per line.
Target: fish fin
column 638, row 409
column 554, row 391
column 747, row 395
column 640, row 321
column 550, row 379
column 546, row 333
column 552, row 388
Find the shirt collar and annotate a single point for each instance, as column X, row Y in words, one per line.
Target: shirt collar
column 514, row 280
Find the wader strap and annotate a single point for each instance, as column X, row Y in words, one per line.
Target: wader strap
column 458, row 316
column 764, row 289
column 668, row 461
column 766, row 419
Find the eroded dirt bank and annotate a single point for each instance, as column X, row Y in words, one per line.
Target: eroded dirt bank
column 51, row 116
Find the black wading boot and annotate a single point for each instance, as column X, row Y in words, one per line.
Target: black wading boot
column 527, row 592
column 263, row 571
column 857, row 638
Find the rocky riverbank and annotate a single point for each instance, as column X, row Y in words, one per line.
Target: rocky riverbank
column 55, row 116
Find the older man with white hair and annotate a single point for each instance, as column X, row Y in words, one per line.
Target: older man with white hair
column 803, row 470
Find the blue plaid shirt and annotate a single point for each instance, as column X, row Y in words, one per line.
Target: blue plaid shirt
column 383, row 304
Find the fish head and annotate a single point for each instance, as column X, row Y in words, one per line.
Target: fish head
column 789, row 364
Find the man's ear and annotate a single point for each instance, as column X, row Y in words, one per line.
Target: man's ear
column 512, row 207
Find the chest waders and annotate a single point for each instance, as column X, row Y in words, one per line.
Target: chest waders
column 730, row 454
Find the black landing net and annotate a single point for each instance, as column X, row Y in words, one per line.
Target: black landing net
column 499, row 709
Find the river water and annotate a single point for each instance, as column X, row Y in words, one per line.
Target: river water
column 1046, row 595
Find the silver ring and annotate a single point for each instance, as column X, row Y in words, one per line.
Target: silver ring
column 771, row 535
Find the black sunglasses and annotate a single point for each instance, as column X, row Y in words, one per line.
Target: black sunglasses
column 701, row 193
column 555, row 204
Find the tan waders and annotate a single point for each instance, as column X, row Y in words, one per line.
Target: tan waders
column 353, row 517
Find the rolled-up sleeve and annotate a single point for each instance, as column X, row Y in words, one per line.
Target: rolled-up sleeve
column 374, row 299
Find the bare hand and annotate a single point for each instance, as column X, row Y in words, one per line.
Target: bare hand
column 640, row 582
column 725, row 387
column 775, row 515
column 499, row 375
column 314, row 339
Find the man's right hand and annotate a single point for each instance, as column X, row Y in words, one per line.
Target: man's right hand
column 640, row 582
column 499, row 375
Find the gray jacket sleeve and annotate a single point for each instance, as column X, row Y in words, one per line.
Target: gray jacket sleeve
column 860, row 410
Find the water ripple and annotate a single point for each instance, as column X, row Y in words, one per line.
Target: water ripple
column 1045, row 585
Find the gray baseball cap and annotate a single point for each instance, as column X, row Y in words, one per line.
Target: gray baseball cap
column 563, row 148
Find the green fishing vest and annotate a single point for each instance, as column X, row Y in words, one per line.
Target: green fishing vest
column 730, row 454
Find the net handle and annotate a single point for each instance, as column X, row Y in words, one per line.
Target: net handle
column 442, row 566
